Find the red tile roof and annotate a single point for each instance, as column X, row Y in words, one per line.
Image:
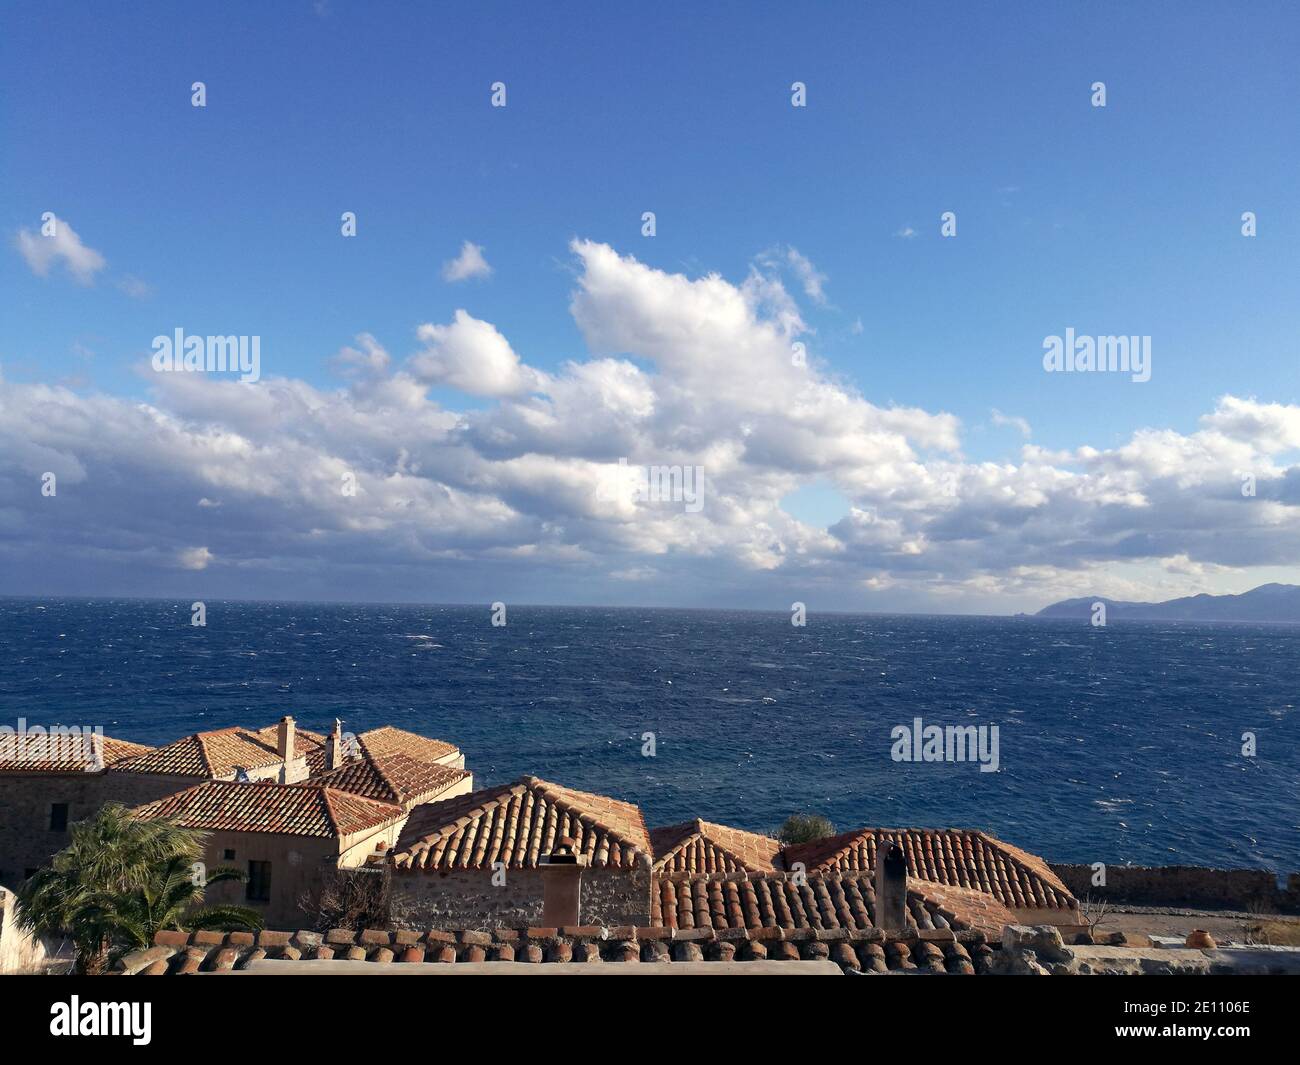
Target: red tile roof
column 389, row 740
column 519, row 823
column 782, row 901
column 284, row 809
column 703, row 847
column 62, row 754
column 394, row 778
column 217, row 753
column 958, row 857
column 385, row 741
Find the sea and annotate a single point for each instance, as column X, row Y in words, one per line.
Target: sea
column 1122, row 744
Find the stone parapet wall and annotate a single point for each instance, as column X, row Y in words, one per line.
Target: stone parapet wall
column 468, row 897
column 933, row 952
column 1186, row 886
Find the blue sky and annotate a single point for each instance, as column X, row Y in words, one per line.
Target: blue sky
column 1123, row 219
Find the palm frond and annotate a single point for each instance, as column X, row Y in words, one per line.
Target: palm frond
column 226, row 918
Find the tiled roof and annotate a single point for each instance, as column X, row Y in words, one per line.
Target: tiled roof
column 782, row 901
column 383, row 742
column 391, row 777
column 941, row 951
column 217, row 753
column 389, row 740
column 703, row 847
column 959, row 857
column 519, row 823
column 61, row 754
column 286, row 809
column 304, row 741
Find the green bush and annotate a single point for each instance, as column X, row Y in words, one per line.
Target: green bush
column 804, row 828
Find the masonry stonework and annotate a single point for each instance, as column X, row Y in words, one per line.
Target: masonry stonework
column 26, row 840
column 467, row 898
column 1185, row 886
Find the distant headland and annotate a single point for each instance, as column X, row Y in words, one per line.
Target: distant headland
column 1268, row 602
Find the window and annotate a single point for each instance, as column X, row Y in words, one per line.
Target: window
column 259, row 882
column 58, row 817
column 228, row 855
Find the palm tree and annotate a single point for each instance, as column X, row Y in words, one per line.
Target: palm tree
column 121, row 880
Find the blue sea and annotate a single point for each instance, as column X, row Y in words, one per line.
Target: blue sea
column 1120, row 744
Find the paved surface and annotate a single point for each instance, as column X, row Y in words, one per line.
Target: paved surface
column 1222, row 926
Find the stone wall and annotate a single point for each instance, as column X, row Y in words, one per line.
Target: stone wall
column 1186, row 886
column 19, row 951
column 26, row 841
column 298, row 866
column 466, row 898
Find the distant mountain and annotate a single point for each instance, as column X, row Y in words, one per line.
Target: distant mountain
column 1268, row 602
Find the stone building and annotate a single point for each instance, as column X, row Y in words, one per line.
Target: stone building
column 284, row 837
column 694, row 874
column 481, row 859
column 41, row 796
column 391, row 765
column 279, row 753
column 349, row 801
column 286, row 806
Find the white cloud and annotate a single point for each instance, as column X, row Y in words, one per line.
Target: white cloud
column 907, row 233
column 1011, row 421
column 62, row 245
column 470, row 263
column 194, row 558
column 811, row 280
column 470, row 355
column 680, row 371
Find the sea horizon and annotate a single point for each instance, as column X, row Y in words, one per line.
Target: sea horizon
column 1019, row 615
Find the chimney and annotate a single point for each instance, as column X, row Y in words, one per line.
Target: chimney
column 284, row 739
column 562, row 885
column 334, row 746
column 891, row 887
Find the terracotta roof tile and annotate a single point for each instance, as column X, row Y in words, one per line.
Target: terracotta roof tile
column 381, row 743
column 394, row 778
column 217, row 753
column 783, row 901
column 958, row 857
column 519, row 823
column 703, row 847
column 389, row 740
column 63, row 754
column 957, row 953
column 286, row 809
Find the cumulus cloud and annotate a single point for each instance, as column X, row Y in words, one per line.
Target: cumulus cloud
column 546, row 478
column 62, row 245
column 472, row 356
column 470, row 263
